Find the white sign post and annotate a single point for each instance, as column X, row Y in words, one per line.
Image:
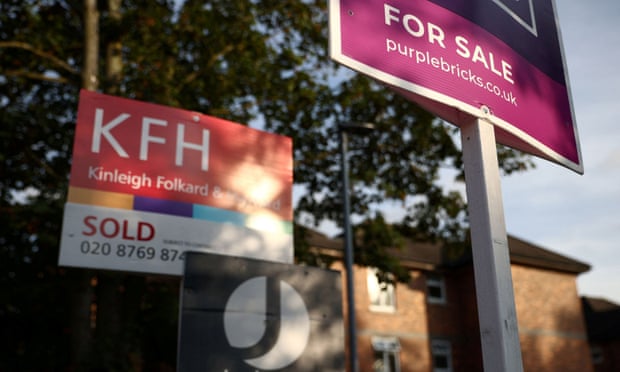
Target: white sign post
column 497, row 316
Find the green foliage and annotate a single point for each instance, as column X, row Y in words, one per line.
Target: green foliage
column 258, row 61
column 374, row 240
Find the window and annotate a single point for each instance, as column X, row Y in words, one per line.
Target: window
column 442, row 356
column 386, row 352
column 597, row 354
column 382, row 295
column 436, row 289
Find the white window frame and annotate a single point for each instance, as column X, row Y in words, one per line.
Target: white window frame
column 436, row 281
column 441, row 348
column 389, row 348
column 381, row 295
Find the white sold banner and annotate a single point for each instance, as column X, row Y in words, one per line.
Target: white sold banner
column 137, row 241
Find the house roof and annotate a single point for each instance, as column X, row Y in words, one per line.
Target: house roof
column 598, row 304
column 430, row 256
column 426, row 256
column 525, row 253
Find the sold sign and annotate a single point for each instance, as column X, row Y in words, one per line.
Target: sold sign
column 149, row 182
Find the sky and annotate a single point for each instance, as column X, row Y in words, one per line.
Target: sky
column 555, row 208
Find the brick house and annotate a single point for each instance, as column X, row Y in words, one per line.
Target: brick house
column 603, row 324
column 431, row 322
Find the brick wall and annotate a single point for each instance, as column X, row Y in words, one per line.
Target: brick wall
column 457, row 320
column 551, row 323
column 552, row 330
column 408, row 323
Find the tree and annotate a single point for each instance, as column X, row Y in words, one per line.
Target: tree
column 262, row 62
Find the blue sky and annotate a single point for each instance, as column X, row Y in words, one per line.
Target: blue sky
column 579, row 216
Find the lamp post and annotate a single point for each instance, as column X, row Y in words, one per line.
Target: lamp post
column 343, row 129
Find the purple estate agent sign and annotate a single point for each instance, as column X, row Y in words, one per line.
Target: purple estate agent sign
column 497, row 59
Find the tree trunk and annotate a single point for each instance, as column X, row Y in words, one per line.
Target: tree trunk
column 114, row 59
column 81, row 332
column 81, row 342
column 110, row 338
column 91, row 46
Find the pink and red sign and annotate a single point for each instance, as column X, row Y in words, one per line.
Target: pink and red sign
column 149, row 182
column 496, row 59
column 164, row 153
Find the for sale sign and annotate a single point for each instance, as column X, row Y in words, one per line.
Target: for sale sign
column 496, row 59
column 149, row 182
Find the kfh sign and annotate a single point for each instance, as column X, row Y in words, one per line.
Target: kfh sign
column 239, row 314
column 149, row 182
column 496, row 59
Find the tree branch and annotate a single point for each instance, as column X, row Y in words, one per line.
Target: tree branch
column 28, row 47
column 36, row 76
column 210, row 63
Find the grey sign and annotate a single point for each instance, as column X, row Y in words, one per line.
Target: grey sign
column 240, row 314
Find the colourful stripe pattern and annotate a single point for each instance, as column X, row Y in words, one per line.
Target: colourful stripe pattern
column 182, row 209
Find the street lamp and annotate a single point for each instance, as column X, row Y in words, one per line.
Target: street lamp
column 343, row 129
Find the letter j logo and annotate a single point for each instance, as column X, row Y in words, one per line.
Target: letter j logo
column 268, row 341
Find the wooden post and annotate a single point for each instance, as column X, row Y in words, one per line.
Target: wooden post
column 499, row 332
